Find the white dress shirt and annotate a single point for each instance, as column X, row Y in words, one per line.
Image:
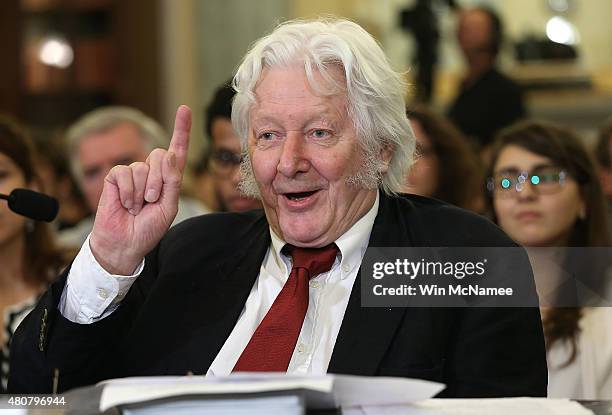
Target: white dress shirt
column 91, row 294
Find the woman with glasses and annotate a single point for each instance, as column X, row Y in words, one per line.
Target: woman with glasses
column 544, row 193
column 28, row 257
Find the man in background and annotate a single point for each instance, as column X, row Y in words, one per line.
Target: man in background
column 217, row 174
column 102, row 139
column 488, row 100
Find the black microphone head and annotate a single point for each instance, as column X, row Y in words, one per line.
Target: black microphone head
column 33, row 205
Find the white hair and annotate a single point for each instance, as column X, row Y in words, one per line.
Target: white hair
column 375, row 92
column 106, row 118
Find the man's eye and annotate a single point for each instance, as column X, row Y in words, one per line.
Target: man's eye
column 90, row 173
column 267, row 136
column 320, row 133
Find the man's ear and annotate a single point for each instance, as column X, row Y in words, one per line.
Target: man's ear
column 386, row 153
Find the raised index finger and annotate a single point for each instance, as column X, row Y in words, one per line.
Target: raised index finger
column 180, row 137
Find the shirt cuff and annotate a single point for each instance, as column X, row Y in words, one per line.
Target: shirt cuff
column 91, row 293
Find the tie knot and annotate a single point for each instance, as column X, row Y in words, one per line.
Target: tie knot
column 315, row 260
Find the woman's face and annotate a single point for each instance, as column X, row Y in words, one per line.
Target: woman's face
column 11, row 177
column 541, row 214
column 422, row 178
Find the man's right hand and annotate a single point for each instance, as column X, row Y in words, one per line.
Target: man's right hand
column 139, row 203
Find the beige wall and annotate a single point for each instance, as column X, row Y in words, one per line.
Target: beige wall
column 591, row 17
column 203, row 40
column 180, row 82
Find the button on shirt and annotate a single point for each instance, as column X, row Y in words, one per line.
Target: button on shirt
column 90, row 296
column 91, row 293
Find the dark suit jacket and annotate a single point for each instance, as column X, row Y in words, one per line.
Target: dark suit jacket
column 491, row 103
column 183, row 307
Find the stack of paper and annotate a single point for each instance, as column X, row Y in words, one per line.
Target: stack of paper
column 261, row 392
column 260, row 405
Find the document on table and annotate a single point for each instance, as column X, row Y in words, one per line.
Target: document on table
column 260, row 405
column 501, row 406
column 320, row 392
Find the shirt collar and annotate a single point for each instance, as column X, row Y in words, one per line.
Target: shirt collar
column 352, row 244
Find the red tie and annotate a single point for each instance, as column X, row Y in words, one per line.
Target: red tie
column 272, row 344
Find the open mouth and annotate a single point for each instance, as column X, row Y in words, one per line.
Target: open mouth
column 299, row 195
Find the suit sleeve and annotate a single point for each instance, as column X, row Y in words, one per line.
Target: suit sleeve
column 499, row 351
column 82, row 354
column 492, row 351
column 496, row 352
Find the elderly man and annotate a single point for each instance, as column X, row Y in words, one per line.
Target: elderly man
column 321, row 115
column 102, row 139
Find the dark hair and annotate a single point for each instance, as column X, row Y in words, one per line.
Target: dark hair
column 565, row 149
column 219, row 107
column 602, row 149
column 42, row 260
column 51, row 149
column 497, row 28
column 460, row 172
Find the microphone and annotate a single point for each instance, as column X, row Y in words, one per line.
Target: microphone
column 31, row 204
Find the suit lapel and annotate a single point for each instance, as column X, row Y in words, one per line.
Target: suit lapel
column 237, row 275
column 204, row 309
column 366, row 333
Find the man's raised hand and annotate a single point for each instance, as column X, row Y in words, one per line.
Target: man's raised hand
column 139, row 203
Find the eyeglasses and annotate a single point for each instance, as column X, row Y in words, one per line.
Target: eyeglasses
column 543, row 180
column 224, row 161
